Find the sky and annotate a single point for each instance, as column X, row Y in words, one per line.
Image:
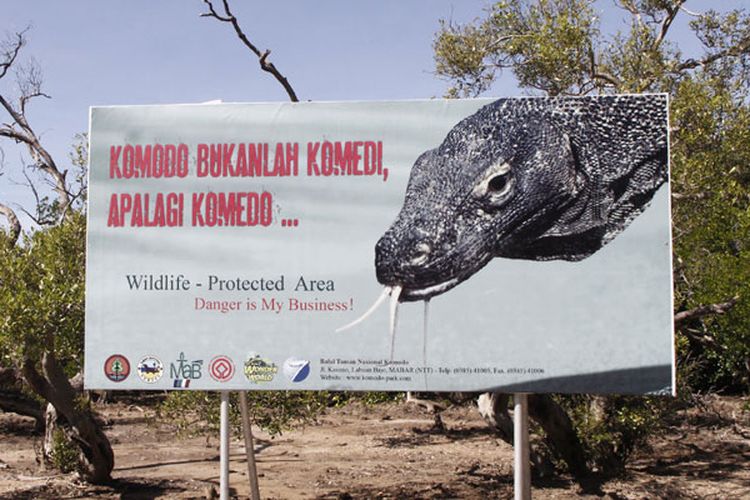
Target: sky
column 96, row 53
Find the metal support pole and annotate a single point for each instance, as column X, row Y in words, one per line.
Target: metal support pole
column 224, row 447
column 521, row 467
column 252, row 471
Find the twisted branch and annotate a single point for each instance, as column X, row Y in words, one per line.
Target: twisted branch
column 265, row 64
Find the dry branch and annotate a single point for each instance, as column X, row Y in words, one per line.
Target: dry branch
column 707, row 310
column 11, row 53
column 265, row 64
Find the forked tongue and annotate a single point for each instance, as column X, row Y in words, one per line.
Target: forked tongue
column 395, row 293
column 386, row 291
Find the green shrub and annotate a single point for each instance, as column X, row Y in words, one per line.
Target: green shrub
column 197, row 412
column 612, row 428
column 64, row 453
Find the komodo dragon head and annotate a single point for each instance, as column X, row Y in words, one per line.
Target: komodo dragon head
column 527, row 178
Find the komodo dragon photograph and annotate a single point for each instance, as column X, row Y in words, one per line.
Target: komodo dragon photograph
column 525, row 178
column 548, row 178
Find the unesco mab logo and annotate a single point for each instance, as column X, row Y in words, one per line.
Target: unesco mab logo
column 296, row 369
column 183, row 371
column 221, row 368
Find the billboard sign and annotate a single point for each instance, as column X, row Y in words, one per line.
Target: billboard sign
column 445, row 245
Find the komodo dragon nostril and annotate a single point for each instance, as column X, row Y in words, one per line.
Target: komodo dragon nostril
column 421, row 254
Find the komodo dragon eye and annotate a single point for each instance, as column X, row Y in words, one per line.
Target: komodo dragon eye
column 496, row 185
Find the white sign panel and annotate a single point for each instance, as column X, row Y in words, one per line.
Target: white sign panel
column 240, row 246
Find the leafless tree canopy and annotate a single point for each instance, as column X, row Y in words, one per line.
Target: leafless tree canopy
column 17, row 128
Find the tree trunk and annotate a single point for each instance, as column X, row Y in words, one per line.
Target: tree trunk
column 561, row 436
column 493, row 406
column 53, row 385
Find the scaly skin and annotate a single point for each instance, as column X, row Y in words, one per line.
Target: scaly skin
column 526, row 178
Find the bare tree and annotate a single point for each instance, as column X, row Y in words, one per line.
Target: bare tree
column 18, row 128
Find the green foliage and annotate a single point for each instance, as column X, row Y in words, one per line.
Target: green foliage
column 460, row 54
column 547, row 45
column 558, row 34
column 64, row 453
column 711, row 181
column 42, row 295
column 341, row 398
column 611, row 429
column 197, row 412
column 556, row 46
column 376, row 398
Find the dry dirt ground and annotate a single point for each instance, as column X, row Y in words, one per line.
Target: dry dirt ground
column 386, row 451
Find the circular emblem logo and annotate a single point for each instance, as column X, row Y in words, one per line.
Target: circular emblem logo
column 117, row 368
column 150, row 369
column 296, row 370
column 259, row 369
column 221, row 368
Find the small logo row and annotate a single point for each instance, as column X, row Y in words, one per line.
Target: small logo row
column 182, row 371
